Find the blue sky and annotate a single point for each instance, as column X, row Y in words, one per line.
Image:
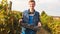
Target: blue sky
column 51, row 7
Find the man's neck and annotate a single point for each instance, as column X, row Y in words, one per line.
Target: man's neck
column 31, row 10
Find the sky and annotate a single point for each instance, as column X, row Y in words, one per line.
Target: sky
column 51, row 7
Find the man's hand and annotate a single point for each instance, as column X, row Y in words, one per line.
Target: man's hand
column 39, row 24
column 20, row 20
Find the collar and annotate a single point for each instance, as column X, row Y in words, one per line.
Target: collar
column 30, row 12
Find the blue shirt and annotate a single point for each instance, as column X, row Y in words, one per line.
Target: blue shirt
column 30, row 19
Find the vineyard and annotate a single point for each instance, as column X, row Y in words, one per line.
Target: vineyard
column 50, row 23
column 9, row 20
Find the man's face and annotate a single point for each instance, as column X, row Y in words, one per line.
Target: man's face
column 31, row 5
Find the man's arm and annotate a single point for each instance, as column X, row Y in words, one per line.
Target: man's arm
column 39, row 21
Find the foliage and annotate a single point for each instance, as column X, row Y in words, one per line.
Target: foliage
column 9, row 20
column 52, row 25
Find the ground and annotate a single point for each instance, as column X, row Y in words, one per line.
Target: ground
column 43, row 31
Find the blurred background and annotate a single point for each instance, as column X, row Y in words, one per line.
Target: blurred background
column 11, row 12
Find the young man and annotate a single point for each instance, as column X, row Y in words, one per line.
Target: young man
column 30, row 16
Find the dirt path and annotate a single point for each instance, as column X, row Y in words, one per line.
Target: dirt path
column 42, row 31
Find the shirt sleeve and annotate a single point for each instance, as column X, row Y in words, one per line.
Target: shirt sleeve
column 39, row 18
column 23, row 17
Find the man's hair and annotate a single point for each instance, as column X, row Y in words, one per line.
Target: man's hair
column 31, row 1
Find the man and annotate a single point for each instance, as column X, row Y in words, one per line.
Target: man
column 30, row 16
